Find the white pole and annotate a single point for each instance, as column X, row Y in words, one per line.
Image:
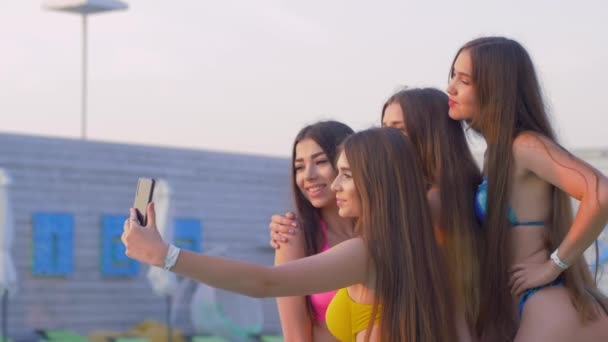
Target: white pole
column 84, row 78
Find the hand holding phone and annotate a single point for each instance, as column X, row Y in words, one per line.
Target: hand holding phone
column 143, row 196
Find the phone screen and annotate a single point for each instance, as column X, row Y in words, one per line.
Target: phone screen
column 143, row 196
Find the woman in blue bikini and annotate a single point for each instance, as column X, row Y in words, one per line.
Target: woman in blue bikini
column 536, row 283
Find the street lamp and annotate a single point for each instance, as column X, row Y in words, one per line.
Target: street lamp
column 84, row 8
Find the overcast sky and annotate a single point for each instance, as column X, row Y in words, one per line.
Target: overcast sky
column 245, row 76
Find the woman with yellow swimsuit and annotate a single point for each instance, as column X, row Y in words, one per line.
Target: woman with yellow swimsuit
column 392, row 275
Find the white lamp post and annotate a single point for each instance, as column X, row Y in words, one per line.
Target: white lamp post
column 84, row 8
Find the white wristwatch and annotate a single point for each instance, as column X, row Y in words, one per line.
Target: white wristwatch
column 171, row 257
column 558, row 262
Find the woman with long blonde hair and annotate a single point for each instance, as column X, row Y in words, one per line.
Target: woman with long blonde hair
column 392, row 276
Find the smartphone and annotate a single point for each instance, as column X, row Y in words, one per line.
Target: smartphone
column 143, row 196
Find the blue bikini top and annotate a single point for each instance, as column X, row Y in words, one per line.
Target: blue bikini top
column 481, row 200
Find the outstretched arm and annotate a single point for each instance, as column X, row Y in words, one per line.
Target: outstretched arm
column 341, row 266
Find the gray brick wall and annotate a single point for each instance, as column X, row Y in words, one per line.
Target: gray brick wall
column 232, row 194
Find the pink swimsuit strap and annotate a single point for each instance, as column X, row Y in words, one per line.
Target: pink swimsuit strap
column 324, row 229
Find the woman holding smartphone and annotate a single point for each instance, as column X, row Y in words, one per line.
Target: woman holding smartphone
column 391, row 276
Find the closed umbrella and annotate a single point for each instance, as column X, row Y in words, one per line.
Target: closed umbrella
column 8, row 275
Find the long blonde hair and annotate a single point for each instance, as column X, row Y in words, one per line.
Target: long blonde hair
column 412, row 285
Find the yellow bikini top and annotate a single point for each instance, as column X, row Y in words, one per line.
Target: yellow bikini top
column 345, row 317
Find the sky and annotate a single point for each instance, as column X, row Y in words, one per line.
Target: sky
column 246, row 76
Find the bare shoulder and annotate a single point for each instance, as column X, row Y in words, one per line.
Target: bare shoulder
column 355, row 251
column 539, row 155
column 529, row 142
column 534, row 151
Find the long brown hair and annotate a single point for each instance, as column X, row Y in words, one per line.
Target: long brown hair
column 510, row 102
column 328, row 135
column 447, row 162
column 395, row 222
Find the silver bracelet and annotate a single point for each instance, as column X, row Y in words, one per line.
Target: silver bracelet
column 558, row 262
column 171, row 257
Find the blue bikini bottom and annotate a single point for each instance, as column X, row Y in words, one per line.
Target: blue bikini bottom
column 530, row 292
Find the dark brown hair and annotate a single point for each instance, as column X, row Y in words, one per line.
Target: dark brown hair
column 328, row 135
column 395, row 222
column 510, row 102
column 447, row 162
